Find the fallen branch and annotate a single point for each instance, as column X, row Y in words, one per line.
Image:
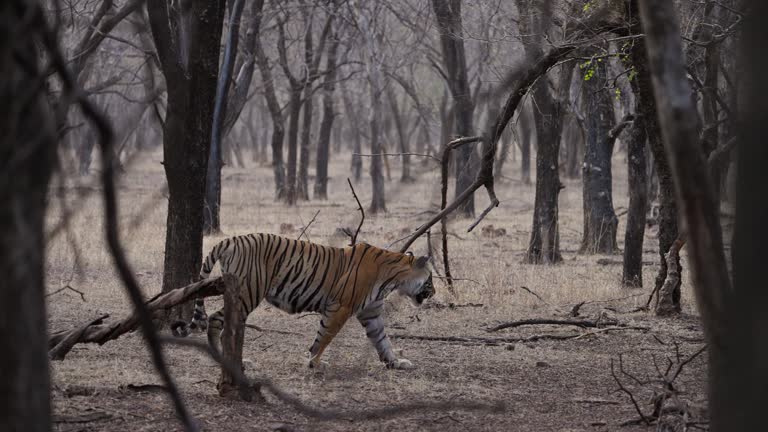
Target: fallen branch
column 567, row 322
column 94, row 332
column 477, row 340
column 65, row 344
column 362, row 214
column 629, row 393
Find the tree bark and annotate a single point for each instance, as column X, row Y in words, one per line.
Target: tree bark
column 354, row 129
column 190, row 66
column 526, row 136
column 448, row 14
column 632, row 275
column 27, row 159
column 293, row 139
column 600, row 221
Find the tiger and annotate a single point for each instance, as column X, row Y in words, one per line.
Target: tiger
column 299, row 276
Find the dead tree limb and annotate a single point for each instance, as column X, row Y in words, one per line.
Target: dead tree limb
column 567, row 322
column 102, row 333
column 303, row 230
column 65, row 344
column 362, row 214
column 630, row 394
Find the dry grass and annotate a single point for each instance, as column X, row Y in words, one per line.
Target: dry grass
column 549, row 385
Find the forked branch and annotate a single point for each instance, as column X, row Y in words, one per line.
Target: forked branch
column 362, row 213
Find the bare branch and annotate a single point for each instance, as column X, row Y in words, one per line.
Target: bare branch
column 362, row 213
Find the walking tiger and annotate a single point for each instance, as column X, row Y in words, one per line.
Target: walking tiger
column 298, row 276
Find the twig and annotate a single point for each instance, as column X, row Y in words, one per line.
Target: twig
column 362, row 213
column 525, row 288
column 66, row 287
column 631, row 396
column 262, row 329
column 307, row 226
column 682, row 364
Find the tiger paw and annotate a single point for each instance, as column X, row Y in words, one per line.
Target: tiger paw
column 400, row 364
column 318, row 365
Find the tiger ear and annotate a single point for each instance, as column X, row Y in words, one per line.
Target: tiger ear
column 409, row 253
column 421, row 262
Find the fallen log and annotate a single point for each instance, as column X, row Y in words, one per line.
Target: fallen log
column 61, row 342
column 599, row 322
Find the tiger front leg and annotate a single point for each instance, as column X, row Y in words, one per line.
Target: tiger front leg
column 330, row 326
column 374, row 329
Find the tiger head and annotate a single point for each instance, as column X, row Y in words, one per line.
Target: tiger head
column 416, row 281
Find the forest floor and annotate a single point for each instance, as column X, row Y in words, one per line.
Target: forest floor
column 561, row 385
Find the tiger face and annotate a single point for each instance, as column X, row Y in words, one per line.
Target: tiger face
column 416, row 281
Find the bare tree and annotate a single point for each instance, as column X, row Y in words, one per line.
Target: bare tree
column 187, row 41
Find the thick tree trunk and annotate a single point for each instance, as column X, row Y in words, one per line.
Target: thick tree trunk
column 448, row 14
column 191, row 82
column 643, row 89
column 573, row 137
column 27, row 159
column 638, row 204
column 600, row 221
column 326, row 124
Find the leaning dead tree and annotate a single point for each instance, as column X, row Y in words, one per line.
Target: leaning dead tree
column 518, row 82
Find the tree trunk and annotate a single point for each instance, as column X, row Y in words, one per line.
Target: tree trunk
column 278, row 124
column 600, row 221
column 27, row 159
column 376, row 90
column 326, row 124
column 402, row 138
column 643, row 89
column 354, row 128
column 526, row 136
column 302, row 184
column 638, row 204
column 448, row 14
column 293, row 137
column 211, row 219
column 190, row 75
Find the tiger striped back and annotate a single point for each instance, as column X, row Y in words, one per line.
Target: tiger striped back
column 299, row 276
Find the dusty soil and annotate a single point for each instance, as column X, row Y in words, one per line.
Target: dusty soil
column 544, row 385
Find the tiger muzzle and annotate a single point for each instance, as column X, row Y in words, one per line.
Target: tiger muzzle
column 427, row 291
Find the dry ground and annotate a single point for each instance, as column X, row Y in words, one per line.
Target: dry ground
column 546, row 385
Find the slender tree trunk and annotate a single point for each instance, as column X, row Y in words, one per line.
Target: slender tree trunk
column 376, row 91
column 293, row 137
column 667, row 219
column 448, row 15
column 302, row 184
column 326, row 124
column 402, row 137
column 638, row 204
column 211, row 215
column 27, row 160
column 526, row 136
column 354, row 129
column 190, row 76
column 278, row 125
column 600, row 221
